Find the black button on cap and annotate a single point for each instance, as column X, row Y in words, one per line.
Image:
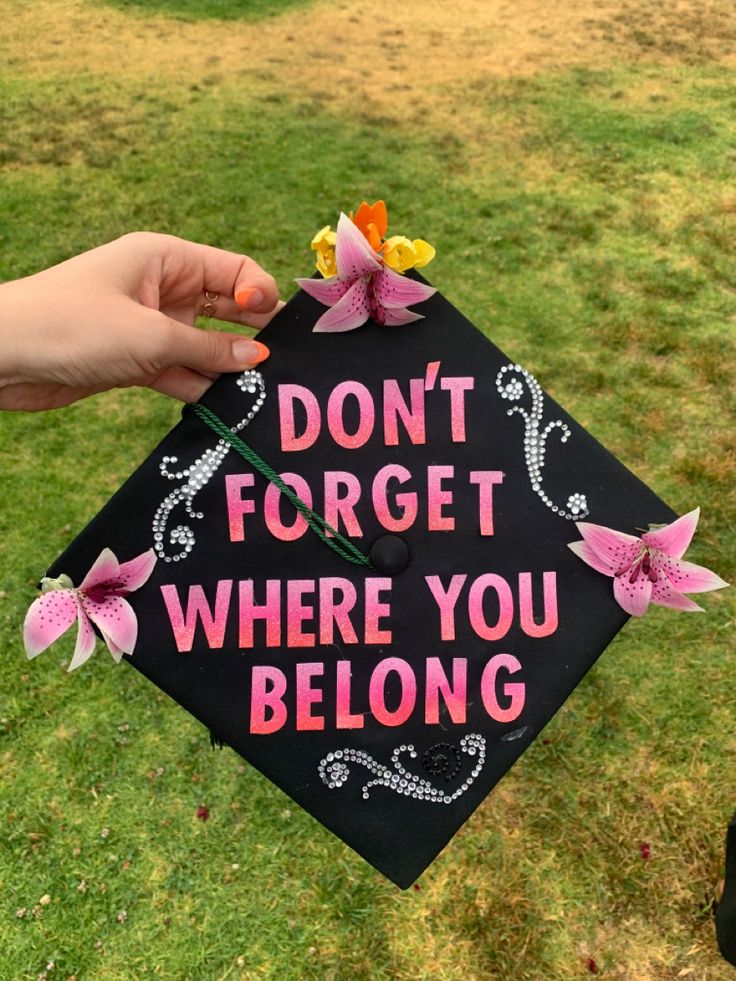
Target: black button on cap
column 389, row 554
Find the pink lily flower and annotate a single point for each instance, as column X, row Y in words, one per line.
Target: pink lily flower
column 363, row 287
column 649, row 569
column 99, row 601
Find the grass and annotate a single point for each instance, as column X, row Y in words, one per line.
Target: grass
column 585, row 218
column 194, row 10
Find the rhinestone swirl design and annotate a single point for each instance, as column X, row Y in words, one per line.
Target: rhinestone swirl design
column 194, row 478
column 511, row 382
column 334, row 771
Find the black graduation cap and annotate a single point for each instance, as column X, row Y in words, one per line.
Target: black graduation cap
column 385, row 647
column 726, row 908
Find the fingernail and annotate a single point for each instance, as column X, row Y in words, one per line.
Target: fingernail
column 248, row 297
column 250, row 352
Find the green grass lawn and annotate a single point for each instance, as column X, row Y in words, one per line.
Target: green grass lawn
column 586, row 220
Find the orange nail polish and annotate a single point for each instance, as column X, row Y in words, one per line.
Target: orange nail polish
column 248, row 296
column 263, row 352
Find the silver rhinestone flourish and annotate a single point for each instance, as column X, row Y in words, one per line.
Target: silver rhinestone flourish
column 535, row 442
column 195, row 477
column 334, row 771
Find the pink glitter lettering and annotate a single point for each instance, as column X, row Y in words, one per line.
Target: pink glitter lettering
column 395, row 408
column 297, row 613
column 407, row 503
column 457, row 388
column 270, row 611
column 336, row 613
column 515, row 691
column 377, row 692
column 263, row 699
column 437, row 498
column 505, row 606
column 526, row 605
column 375, row 610
column 338, row 508
column 430, row 375
column 236, row 506
column 485, row 479
column 184, row 625
column 290, row 442
column 344, row 718
column 454, row 697
column 306, row 696
column 272, row 508
column 366, row 413
column 446, row 601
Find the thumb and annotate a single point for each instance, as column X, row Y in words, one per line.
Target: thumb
column 209, row 351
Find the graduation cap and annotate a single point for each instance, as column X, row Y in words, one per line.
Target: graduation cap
column 726, row 906
column 352, row 564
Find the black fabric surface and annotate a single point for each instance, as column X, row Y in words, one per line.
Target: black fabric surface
column 726, row 911
column 399, row 835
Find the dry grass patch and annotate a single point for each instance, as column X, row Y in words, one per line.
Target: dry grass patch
column 388, row 61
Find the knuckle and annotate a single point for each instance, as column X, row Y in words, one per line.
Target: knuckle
column 257, row 275
column 162, row 344
column 212, row 347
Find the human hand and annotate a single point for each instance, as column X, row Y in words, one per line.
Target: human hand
column 122, row 314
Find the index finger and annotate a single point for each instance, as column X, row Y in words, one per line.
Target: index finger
column 206, row 268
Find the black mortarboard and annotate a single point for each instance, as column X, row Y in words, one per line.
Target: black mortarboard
column 388, row 677
column 726, row 908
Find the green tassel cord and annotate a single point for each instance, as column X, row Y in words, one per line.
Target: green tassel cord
column 338, row 543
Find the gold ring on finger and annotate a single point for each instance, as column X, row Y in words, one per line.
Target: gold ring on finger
column 209, row 307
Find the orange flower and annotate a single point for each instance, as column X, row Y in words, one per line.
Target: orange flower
column 372, row 220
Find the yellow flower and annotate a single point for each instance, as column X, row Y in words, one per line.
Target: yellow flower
column 401, row 253
column 323, row 244
column 425, row 252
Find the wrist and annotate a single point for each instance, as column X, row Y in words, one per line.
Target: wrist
column 16, row 301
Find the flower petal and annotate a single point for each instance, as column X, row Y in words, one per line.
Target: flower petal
column 588, row 554
column 674, row 538
column 348, row 313
column 85, row 641
column 48, row 618
column 392, row 317
column 375, row 215
column 136, row 572
column 115, row 618
column 664, row 594
column 354, row 255
column 115, row 651
column 325, row 237
column 326, row 264
column 392, row 290
column 634, row 597
column 425, row 253
column 399, row 253
column 327, row 291
column 106, row 569
column 323, row 244
column 686, row 577
column 614, row 547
